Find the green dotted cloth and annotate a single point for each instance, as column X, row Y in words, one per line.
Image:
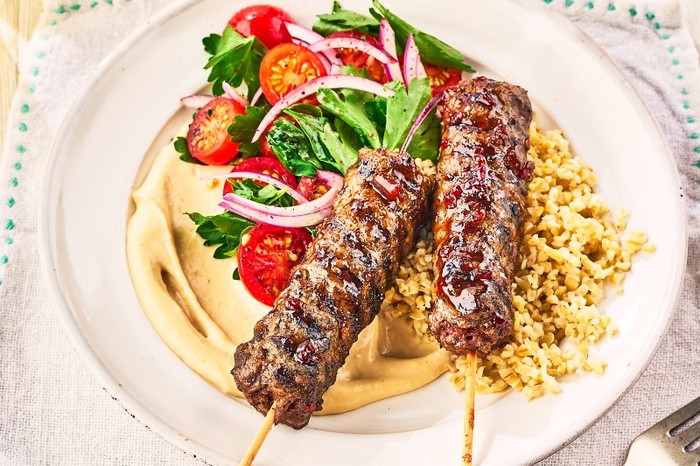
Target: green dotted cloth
column 51, row 409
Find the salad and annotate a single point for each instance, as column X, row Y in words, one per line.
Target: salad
column 290, row 109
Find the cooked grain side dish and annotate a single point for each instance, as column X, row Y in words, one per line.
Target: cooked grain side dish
column 573, row 246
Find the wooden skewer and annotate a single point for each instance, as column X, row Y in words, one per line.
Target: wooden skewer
column 259, row 437
column 469, row 391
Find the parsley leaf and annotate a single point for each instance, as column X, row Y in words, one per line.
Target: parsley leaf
column 180, row 145
column 432, row 50
column 402, row 109
column 224, row 229
column 234, row 59
column 351, row 109
column 243, row 128
column 345, row 20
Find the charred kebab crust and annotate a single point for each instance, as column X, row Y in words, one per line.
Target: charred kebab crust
column 336, row 290
column 481, row 186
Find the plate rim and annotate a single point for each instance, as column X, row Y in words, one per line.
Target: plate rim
column 152, row 422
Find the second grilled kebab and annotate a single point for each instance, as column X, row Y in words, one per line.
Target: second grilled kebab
column 479, row 203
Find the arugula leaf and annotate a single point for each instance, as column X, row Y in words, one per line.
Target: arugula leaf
column 326, row 144
column 432, row 50
column 292, row 148
column 402, row 109
column 348, row 135
column 224, row 229
column 345, row 20
column 243, row 128
column 234, row 59
column 268, row 194
column 351, row 109
column 180, row 145
column 426, row 140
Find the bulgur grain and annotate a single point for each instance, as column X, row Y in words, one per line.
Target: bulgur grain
column 571, row 247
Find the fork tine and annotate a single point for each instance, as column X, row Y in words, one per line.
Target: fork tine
column 686, row 437
column 679, row 417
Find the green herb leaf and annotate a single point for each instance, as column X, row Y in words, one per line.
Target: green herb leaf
column 236, row 275
column 351, row 109
column 180, row 145
column 345, row 20
column 243, row 128
column 268, row 194
column 293, row 149
column 402, row 109
column 224, row 229
column 348, row 135
column 234, row 59
column 432, row 50
column 326, row 143
column 426, row 140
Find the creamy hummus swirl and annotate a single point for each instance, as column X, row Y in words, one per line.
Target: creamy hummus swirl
column 202, row 313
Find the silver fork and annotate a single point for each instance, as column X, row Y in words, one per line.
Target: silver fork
column 666, row 442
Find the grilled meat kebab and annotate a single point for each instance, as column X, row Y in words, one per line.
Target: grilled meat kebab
column 479, row 203
column 336, row 290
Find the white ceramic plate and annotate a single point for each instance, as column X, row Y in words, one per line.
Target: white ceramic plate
column 101, row 147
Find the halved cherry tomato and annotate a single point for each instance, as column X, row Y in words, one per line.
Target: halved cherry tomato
column 265, row 22
column 312, row 188
column 360, row 59
column 207, row 137
column 265, row 165
column 286, row 67
column 266, row 257
column 441, row 78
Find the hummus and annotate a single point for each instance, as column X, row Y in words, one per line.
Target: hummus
column 202, row 313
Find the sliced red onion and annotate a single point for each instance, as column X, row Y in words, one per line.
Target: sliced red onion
column 310, row 88
column 263, row 178
column 303, row 34
column 352, row 43
column 307, row 35
column 334, row 182
column 411, row 61
column 326, row 62
column 387, row 39
column 256, row 96
column 196, row 101
column 423, row 114
column 335, row 69
column 261, row 216
column 234, row 95
column 309, row 213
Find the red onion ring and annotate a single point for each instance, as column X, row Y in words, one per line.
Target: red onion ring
column 387, row 38
column 196, row 101
column 234, row 95
column 352, row 43
column 309, row 37
column 263, row 178
column 412, row 66
column 310, row 87
column 256, row 96
column 261, row 216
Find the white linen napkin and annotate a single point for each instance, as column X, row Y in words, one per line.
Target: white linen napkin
column 52, row 411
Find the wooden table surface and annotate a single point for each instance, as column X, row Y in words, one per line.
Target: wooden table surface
column 21, row 16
